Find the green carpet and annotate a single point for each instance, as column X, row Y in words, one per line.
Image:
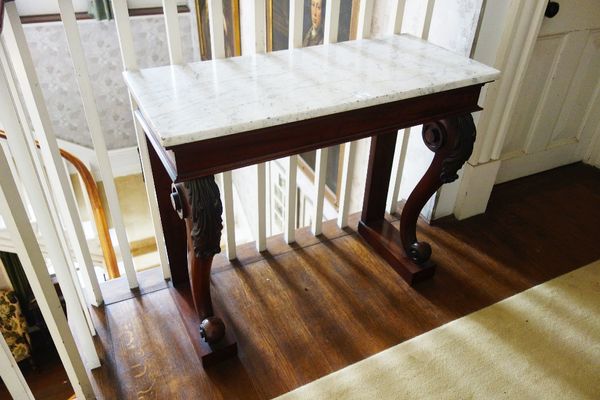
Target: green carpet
column 543, row 343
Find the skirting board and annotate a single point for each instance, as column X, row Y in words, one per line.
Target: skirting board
column 475, row 189
column 518, row 167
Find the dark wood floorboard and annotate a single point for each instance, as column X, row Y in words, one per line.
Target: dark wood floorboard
column 104, row 378
column 151, row 351
column 300, row 312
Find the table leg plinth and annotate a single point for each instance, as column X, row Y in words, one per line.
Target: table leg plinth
column 384, row 238
column 209, row 354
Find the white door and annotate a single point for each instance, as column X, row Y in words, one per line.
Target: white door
column 558, row 110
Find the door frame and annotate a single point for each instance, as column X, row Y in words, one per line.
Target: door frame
column 511, row 30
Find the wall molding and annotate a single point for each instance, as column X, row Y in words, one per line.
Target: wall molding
column 592, row 156
column 83, row 15
column 475, row 189
column 124, row 162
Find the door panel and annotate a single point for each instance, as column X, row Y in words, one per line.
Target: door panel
column 581, row 93
column 556, row 86
column 545, row 52
column 573, row 15
column 553, row 121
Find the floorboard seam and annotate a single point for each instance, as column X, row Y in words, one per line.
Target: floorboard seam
column 269, row 256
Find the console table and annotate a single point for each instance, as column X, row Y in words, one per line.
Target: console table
column 208, row 117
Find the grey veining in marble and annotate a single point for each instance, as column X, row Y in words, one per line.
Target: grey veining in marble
column 203, row 100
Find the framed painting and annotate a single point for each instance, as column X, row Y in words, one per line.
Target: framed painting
column 231, row 18
column 278, row 17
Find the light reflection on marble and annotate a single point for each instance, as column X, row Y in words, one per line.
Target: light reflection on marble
column 199, row 101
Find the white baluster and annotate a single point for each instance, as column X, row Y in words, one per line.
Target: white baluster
column 130, row 64
column 397, row 170
column 289, row 233
column 172, row 28
column 320, row 175
column 398, row 16
column 294, row 41
column 217, row 31
column 260, row 28
column 11, row 374
column 364, row 30
column 229, row 220
column 257, row 11
column 428, row 18
column 34, row 266
column 93, row 119
column 152, row 200
column 17, row 48
column 332, row 19
column 65, row 245
column 349, row 151
column 23, row 161
column 295, row 30
column 319, row 183
column 365, row 14
column 21, row 112
column 332, row 16
column 217, row 48
column 261, row 188
column 123, row 26
column 404, row 135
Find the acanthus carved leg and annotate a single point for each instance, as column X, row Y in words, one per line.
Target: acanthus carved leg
column 198, row 203
column 452, row 142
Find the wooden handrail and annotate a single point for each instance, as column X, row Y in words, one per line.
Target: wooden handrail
column 108, row 252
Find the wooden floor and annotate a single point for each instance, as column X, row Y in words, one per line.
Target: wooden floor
column 303, row 311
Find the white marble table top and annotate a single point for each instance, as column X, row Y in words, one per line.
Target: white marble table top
column 203, row 100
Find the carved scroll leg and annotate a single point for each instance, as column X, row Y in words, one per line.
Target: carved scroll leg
column 199, row 204
column 452, row 141
column 383, row 237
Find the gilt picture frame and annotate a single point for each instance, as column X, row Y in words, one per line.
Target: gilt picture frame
column 231, row 18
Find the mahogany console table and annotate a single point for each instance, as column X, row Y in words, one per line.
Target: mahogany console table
column 208, row 117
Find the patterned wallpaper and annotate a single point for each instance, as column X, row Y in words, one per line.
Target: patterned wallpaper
column 49, row 51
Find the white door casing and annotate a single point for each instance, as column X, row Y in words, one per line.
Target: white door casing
column 544, row 111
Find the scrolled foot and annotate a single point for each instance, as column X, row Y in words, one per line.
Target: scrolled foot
column 212, row 329
column 420, row 252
